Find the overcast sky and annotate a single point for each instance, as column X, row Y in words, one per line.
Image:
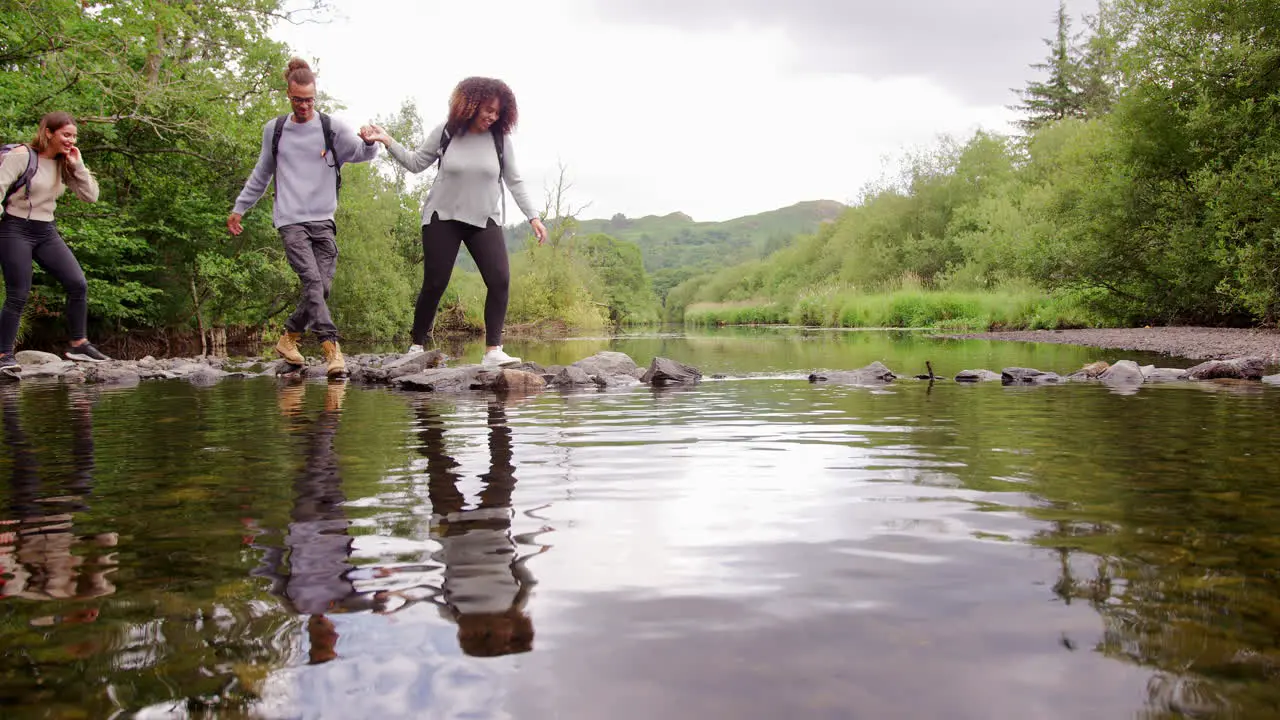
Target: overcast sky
column 714, row 108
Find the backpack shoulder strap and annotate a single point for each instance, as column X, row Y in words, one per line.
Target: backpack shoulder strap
column 24, row 180
column 500, row 144
column 326, row 129
column 445, row 139
column 275, row 136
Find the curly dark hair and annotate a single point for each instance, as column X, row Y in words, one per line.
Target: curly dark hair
column 473, row 92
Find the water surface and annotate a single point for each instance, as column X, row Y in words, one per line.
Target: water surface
column 754, row 547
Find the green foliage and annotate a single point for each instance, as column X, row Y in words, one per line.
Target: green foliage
column 620, row 271
column 1162, row 210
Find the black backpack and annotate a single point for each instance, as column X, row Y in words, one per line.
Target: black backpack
column 24, row 180
column 326, row 129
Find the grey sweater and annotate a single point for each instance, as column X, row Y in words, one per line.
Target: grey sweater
column 306, row 188
column 466, row 187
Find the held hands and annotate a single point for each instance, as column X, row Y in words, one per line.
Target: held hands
column 539, row 229
column 373, row 133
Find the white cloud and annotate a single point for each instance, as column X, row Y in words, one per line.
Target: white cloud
column 716, row 122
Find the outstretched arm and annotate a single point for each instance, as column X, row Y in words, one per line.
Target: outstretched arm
column 414, row 161
column 350, row 147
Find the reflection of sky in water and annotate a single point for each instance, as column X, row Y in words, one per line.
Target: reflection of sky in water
column 705, row 530
column 750, row 548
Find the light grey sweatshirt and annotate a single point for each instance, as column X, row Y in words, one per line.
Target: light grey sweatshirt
column 306, row 184
column 466, row 187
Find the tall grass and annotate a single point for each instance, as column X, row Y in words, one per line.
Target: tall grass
column 1009, row 308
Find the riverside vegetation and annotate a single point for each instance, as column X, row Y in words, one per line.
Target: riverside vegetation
column 1142, row 191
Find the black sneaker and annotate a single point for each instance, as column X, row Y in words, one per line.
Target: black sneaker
column 8, row 361
column 85, row 353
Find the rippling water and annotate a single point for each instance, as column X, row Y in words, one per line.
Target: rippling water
column 754, row 547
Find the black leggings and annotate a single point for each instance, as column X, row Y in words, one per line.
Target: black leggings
column 440, row 242
column 22, row 241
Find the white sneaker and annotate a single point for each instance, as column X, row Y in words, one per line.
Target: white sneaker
column 414, row 349
column 497, row 358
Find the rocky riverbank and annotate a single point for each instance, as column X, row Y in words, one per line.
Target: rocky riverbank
column 1195, row 343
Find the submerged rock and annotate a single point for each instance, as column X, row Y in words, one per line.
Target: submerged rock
column 874, row 374
column 1153, row 374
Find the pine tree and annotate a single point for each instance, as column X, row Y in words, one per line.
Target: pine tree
column 1060, row 96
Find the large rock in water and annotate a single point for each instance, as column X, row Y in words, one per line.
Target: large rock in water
column 664, row 371
column 973, row 376
column 1272, row 379
column 442, row 380
column 31, row 358
column 607, row 364
column 571, row 377
column 1027, row 376
column 518, row 381
column 1125, row 372
column 874, row 374
column 1245, row 368
column 408, row 364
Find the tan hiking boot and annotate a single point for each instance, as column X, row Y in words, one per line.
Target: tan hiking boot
column 337, row 365
column 288, row 348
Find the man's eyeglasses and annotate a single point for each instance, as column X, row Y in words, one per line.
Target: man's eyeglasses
column 302, row 100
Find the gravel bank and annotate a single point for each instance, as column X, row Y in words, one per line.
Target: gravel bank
column 1196, row 343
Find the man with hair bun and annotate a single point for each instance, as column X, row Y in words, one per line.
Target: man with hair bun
column 304, row 152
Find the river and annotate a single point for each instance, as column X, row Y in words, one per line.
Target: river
column 755, row 546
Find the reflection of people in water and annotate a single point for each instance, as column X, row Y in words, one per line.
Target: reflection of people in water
column 38, row 559
column 486, row 586
column 317, row 541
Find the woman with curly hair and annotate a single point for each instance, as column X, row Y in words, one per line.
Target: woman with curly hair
column 33, row 177
column 474, row 149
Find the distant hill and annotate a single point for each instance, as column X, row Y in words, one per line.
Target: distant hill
column 675, row 247
column 677, row 241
